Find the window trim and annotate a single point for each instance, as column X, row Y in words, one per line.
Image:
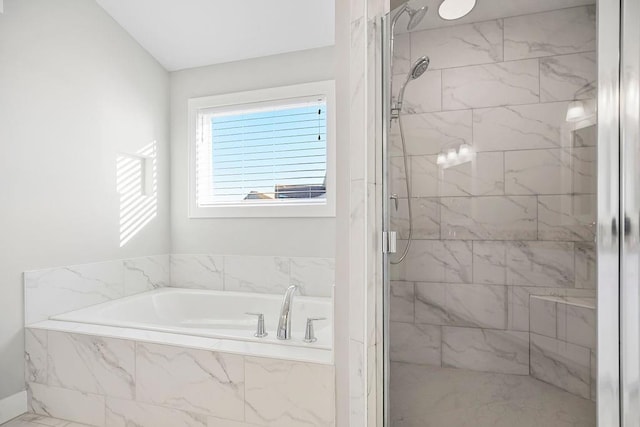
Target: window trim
column 281, row 209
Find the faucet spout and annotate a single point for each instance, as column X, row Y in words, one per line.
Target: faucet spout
column 284, row 322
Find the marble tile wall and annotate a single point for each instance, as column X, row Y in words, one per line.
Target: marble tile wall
column 58, row 290
column 517, row 220
column 113, row 382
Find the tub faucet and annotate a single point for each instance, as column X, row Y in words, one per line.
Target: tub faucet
column 284, row 323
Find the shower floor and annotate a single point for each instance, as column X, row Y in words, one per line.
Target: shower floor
column 426, row 396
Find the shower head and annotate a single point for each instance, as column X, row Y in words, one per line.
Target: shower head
column 419, row 67
column 417, row 70
column 415, row 16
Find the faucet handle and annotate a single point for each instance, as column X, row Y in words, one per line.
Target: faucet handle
column 309, row 334
column 260, row 330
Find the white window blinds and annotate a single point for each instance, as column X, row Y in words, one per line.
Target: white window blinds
column 263, row 153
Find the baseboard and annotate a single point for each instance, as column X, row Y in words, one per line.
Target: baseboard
column 13, row 406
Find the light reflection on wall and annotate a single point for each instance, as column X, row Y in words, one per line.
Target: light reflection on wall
column 137, row 183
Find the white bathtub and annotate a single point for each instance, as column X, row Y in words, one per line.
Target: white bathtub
column 210, row 314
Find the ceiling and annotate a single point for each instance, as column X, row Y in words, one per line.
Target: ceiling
column 193, row 33
column 484, row 10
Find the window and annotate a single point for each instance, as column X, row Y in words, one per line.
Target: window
column 263, row 153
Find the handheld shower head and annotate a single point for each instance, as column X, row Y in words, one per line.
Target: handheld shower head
column 418, row 69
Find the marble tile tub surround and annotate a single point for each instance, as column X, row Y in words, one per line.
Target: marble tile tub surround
column 102, row 381
column 515, row 221
column 58, row 290
column 264, row 274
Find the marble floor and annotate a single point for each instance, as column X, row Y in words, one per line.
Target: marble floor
column 425, row 396
column 32, row 420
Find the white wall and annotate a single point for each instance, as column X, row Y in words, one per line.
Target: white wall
column 75, row 91
column 249, row 236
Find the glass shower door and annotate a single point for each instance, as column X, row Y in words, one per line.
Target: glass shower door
column 511, row 173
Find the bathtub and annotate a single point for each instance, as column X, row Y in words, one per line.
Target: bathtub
column 206, row 319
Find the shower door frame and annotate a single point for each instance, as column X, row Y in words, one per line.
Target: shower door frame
column 629, row 118
column 618, row 267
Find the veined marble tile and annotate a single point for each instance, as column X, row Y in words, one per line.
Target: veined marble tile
column 401, row 54
column 145, row 274
column 265, row 274
column 315, row 276
column 35, row 420
column 91, row 364
column 519, row 127
column 401, row 301
column 482, row 176
column 435, row 261
column 426, row 218
column 562, row 364
column 548, row 264
column 550, row 33
column 66, row 404
column 430, row 133
column 577, row 324
column 424, row 176
column 197, row 381
column 357, row 386
column 489, row 218
column 486, row 350
column 519, row 297
column 568, row 77
column 543, row 315
column 461, row 305
column 585, row 265
column 125, row 413
column 35, row 355
column 489, row 262
column 431, row 303
column 59, row 290
column 219, row 422
column 553, row 171
column 460, row 45
column 505, row 83
column 411, row 343
column 422, row 95
column 282, row 393
column 568, row 218
column 197, row 271
column 483, row 306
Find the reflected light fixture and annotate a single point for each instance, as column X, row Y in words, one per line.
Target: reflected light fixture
column 464, row 150
column 455, row 9
column 575, row 111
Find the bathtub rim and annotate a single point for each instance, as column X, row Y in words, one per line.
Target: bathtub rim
column 245, row 348
column 69, row 315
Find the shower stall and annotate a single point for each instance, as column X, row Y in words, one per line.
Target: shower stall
column 509, row 154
